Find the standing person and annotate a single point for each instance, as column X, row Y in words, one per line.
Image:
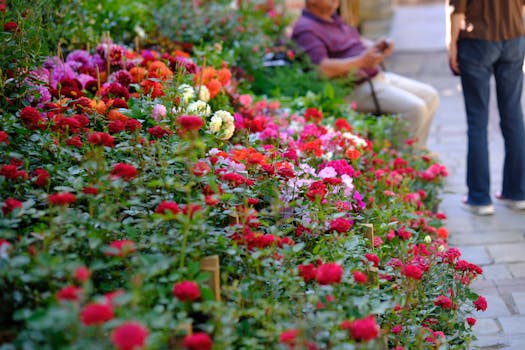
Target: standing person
column 338, row 50
column 487, row 38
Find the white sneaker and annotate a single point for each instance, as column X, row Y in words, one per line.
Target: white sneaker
column 481, row 210
column 518, row 204
column 514, row 204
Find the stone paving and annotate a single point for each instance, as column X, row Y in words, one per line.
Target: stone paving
column 496, row 243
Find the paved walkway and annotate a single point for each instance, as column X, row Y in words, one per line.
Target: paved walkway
column 496, row 243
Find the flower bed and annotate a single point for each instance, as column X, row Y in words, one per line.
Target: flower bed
column 125, row 170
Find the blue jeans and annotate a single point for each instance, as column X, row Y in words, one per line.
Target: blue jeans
column 478, row 61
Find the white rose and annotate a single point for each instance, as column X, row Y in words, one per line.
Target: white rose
column 225, row 116
column 204, row 93
column 187, row 93
column 228, row 132
column 358, row 141
column 215, row 124
column 199, row 108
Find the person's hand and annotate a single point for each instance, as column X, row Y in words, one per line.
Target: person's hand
column 385, row 47
column 370, row 58
column 453, row 58
column 388, row 51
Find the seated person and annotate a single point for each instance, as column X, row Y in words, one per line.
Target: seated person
column 338, row 50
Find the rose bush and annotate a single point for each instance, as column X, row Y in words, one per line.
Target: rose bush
column 134, row 166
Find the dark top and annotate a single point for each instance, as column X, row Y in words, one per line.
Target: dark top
column 322, row 39
column 494, row 20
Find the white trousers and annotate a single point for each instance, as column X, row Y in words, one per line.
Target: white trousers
column 412, row 100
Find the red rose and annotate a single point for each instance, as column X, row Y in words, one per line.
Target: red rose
column 313, row 115
column 32, row 119
column 343, row 125
column 11, row 172
column 481, row 303
column 63, row 199
column 121, row 248
column 129, row 336
column 463, row 265
column 101, row 139
column 158, row 132
column 329, row 273
column 235, row 178
column 116, row 126
column 81, row 119
column 345, row 324
column 282, row 170
column 285, row 241
column 443, row 301
column 16, row 162
column 70, row 293
column 373, row 259
column 288, row 337
column 317, row 190
column 152, row 88
column 253, row 201
column 10, row 26
column 200, row 168
column 90, row 190
column 307, row 272
column 190, row 209
column 197, row 341
column 42, row 177
column 133, row 125
column 4, row 138
column 9, row 205
column 190, row 122
column 266, row 240
column 187, row 291
column 451, row 255
column 211, row 200
column 364, row 329
column 300, row 230
column 125, row 171
column 341, row 225
column 360, row 277
column 396, row 329
column 412, row 271
column 442, row 232
column 471, row 321
column 82, row 274
column 74, row 141
column 167, row 206
column 96, row 314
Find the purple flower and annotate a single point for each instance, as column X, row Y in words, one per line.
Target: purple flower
column 111, row 51
column 40, row 75
column 341, row 166
column 99, row 62
column 84, row 79
column 51, row 62
column 80, row 59
column 359, row 200
column 159, row 112
column 239, row 121
column 270, row 132
column 123, row 77
column 147, row 55
column 60, row 72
